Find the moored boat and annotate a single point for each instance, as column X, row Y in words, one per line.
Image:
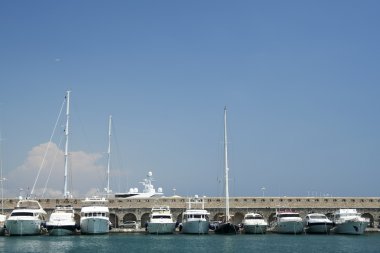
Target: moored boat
column 349, row 221
column 287, row 222
column 161, row 221
column 95, row 216
column 195, row 220
column 254, row 223
column 62, row 221
column 27, row 218
column 317, row 223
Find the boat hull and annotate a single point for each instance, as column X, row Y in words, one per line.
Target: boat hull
column 288, row 227
column 60, row 229
column 318, row 228
column 254, row 229
column 23, row 227
column 227, row 229
column 94, row 225
column 195, row 227
column 351, row 227
column 161, row 227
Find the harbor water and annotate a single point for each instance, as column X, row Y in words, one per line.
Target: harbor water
column 122, row 242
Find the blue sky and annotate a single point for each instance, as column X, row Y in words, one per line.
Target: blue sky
column 300, row 80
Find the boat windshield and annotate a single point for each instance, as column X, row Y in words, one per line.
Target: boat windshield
column 22, row 214
column 282, row 215
column 253, row 218
column 197, row 216
column 95, row 215
column 317, row 217
column 161, row 217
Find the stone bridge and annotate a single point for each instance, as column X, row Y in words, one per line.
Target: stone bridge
column 139, row 209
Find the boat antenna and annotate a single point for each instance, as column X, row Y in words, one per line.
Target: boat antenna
column 65, row 191
column 226, row 166
column 109, row 155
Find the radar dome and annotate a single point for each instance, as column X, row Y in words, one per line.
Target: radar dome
column 150, row 173
column 159, row 190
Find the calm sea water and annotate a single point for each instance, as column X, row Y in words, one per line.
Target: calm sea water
column 273, row 243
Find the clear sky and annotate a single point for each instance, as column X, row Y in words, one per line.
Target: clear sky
column 300, row 80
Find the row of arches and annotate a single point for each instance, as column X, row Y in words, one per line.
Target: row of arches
column 237, row 218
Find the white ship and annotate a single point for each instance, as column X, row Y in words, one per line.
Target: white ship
column 161, row 221
column 148, row 192
column 349, row 221
column 317, row 223
column 27, row 219
column 62, row 221
column 254, row 223
column 95, row 216
column 195, row 220
column 287, row 222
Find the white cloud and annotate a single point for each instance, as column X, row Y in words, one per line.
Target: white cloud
column 86, row 173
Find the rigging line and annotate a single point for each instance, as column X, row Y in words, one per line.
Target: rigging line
column 119, row 157
column 47, row 148
column 51, row 168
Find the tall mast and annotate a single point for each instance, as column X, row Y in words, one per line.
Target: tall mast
column 109, row 155
column 65, row 191
column 1, row 174
column 226, row 166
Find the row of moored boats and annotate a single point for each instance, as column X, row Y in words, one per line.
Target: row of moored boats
column 29, row 218
column 195, row 221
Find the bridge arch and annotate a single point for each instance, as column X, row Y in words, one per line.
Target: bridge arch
column 237, row 218
column 219, row 217
column 129, row 217
column 114, row 220
column 371, row 219
column 144, row 219
column 271, row 218
column 179, row 218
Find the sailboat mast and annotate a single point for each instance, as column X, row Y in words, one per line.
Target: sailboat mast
column 65, row 191
column 226, row 166
column 1, row 174
column 109, row 154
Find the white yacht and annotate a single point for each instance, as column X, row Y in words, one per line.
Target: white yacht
column 254, row 223
column 195, row 220
column 161, row 221
column 95, row 216
column 62, row 221
column 287, row 222
column 148, row 192
column 349, row 221
column 27, row 219
column 317, row 223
